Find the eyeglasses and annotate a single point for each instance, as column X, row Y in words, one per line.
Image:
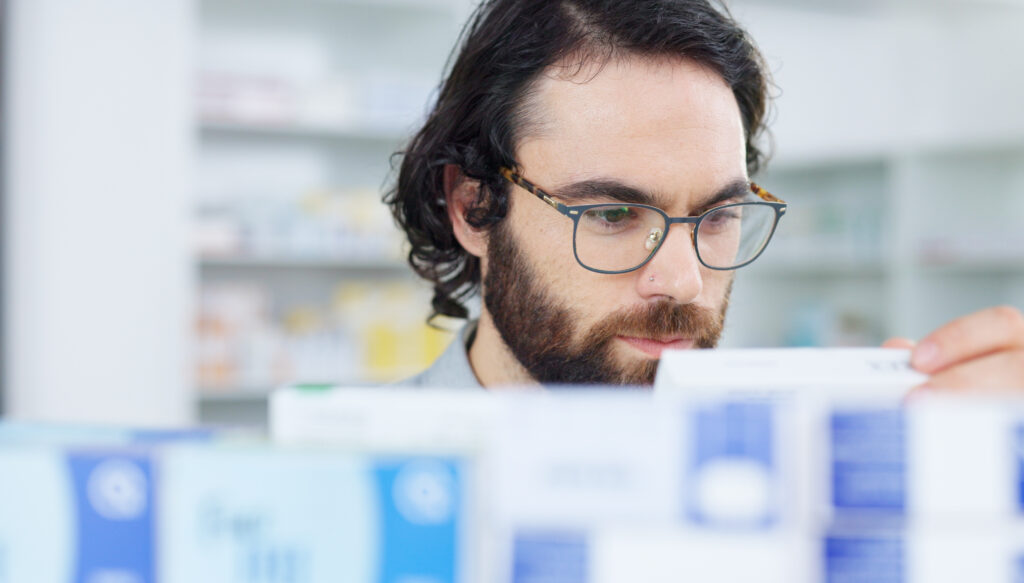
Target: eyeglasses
column 617, row 238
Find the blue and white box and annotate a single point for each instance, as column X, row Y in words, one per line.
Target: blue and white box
column 659, row 554
column 232, row 514
column 576, row 458
column 992, row 554
column 602, row 486
column 735, row 476
column 940, row 460
column 877, row 373
column 251, row 515
column 857, row 462
column 384, row 419
column 964, row 460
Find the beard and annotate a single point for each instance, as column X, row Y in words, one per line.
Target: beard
column 541, row 332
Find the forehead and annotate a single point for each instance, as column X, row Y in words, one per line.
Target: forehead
column 669, row 127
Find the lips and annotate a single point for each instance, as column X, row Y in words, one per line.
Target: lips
column 653, row 348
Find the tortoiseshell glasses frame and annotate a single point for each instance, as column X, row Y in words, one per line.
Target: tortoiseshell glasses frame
column 768, row 207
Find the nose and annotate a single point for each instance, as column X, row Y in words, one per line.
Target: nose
column 674, row 272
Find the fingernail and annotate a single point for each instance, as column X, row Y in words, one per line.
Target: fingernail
column 926, row 355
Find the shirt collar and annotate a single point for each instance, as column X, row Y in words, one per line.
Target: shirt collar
column 451, row 370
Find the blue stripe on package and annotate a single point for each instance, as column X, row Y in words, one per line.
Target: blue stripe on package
column 170, row 436
column 420, row 513
column 734, row 478
column 1019, row 450
column 549, row 557
column 869, row 461
column 114, row 499
column 864, row 559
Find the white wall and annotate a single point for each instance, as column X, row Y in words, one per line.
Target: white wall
column 882, row 81
column 98, row 147
column 911, row 111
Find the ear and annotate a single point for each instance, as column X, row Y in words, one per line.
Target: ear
column 460, row 195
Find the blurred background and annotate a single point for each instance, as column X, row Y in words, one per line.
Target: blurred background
column 191, row 190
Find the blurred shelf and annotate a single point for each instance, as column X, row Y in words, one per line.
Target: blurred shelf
column 384, row 136
column 233, row 395
column 260, row 393
column 428, row 5
column 999, row 266
column 976, row 266
column 291, row 94
column 818, row 267
column 317, row 263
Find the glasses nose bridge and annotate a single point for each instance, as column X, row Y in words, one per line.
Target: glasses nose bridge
column 669, row 221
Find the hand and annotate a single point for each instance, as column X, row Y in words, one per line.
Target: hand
column 983, row 350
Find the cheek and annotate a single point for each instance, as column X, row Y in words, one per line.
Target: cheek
column 563, row 276
column 716, row 286
column 546, row 238
column 588, row 294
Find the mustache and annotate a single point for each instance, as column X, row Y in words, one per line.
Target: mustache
column 663, row 319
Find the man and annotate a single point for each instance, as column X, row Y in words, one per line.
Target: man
column 586, row 169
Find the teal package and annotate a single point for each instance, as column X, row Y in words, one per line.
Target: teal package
column 265, row 515
column 419, row 500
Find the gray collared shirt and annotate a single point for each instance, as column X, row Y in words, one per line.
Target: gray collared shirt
column 451, row 370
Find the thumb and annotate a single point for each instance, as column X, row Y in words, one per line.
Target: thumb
column 898, row 343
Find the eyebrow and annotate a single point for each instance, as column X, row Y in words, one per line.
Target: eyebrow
column 620, row 192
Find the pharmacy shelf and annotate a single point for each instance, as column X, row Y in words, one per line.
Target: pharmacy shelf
column 300, row 104
column 817, row 268
column 251, row 414
column 383, row 266
column 444, row 6
column 257, row 393
column 877, row 199
column 941, row 255
column 384, row 136
column 925, row 266
column 979, row 266
column 234, row 395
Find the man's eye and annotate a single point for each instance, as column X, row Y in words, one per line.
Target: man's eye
column 722, row 216
column 617, row 220
column 614, row 215
column 720, row 204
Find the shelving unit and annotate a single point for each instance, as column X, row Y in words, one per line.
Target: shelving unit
column 917, row 238
column 366, row 134
column 299, row 265
column 889, row 230
column 340, row 264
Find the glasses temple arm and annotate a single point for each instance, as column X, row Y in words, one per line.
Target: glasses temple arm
column 764, row 194
column 528, row 186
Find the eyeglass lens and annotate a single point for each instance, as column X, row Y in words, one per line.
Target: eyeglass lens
column 621, row 237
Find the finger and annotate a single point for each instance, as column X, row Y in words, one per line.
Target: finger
column 898, row 343
column 969, row 337
column 999, row 370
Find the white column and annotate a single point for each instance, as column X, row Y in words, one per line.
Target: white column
column 98, row 147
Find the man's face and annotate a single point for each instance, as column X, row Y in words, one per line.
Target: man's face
column 669, row 130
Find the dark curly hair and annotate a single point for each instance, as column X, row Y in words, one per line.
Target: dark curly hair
column 482, row 108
